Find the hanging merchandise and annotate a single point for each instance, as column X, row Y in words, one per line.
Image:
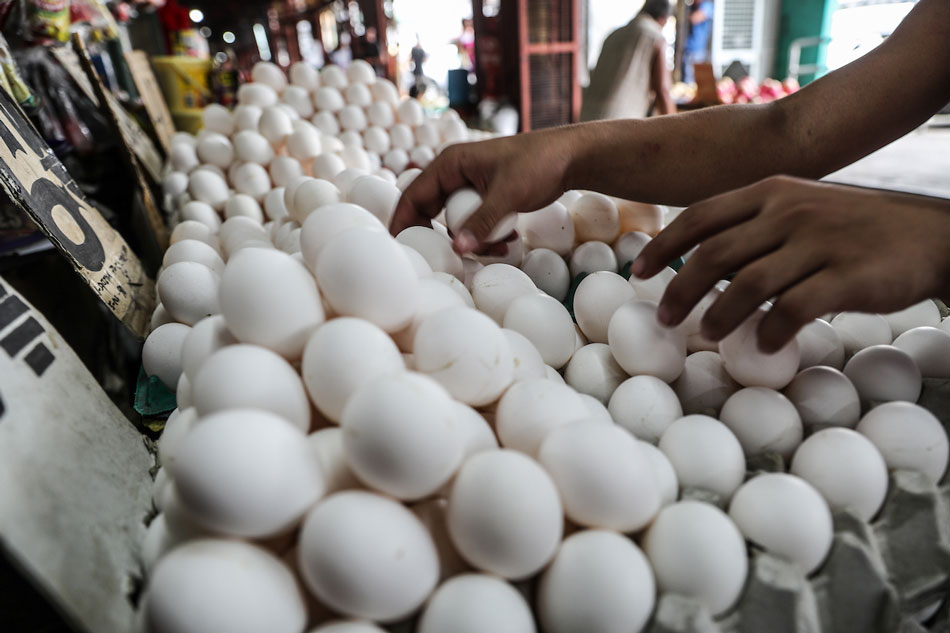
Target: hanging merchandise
column 11, row 80
column 48, row 19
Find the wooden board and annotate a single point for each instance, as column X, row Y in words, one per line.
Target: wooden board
column 38, row 183
column 75, row 483
column 152, row 97
column 129, row 141
column 132, row 133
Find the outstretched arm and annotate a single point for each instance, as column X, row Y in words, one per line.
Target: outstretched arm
column 681, row 159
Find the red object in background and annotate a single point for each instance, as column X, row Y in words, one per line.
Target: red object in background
column 173, row 17
column 490, row 59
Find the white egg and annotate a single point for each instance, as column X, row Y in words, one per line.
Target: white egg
column 402, row 137
column 365, row 273
column 753, row 368
column 569, row 197
column 591, row 257
column 410, row 112
column 596, row 299
column 193, row 230
column 284, row 169
column 435, row 248
column 592, row 370
column 356, row 158
column 326, row 165
column 248, row 376
column 858, row 330
column 238, row 231
column 328, row 221
column 327, row 447
column 376, row 163
column 550, row 227
column 345, row 179
column 598, row 581
column 160, row 317
column 764, row 421
column 481, row 508
column 930, row 349
column 275, row 125
column 208, row 187
column 217, row 118
column 376, row 139
column 253, row 180
column 246, row 473
column 243, row 204
column 396, row 160
column 824, row 397
column 909, row 438
column 183, row 157
column 820, row 345
column 305, row 75
column 474, row 603
column 385, row 91
column 602, row 476
column 183, row 392
column 189, row 291
column 270, row 300
column 882, row 373
column 705, row 454
column 351, row 138
column 663, row 474
column 544, row 322
column 298, row 98
column 923, row 314
column 328, row 99
column 642, row 346
column 380, row 115
column 549, row 272
column 256, row 94
column 270, row 74
column 427, row 135
column 475, row 433
column 177, row 426
column 341, row 357
column 311, row 195
column 528, row 363
column 464, row 202
column 645, row 406
column 628, row 246
column 495, row 286
column 529, row 410
column 455, row 284
column 453, row 131
column 175, row 183
column 304, row 143
column 206, row 337
column 227, row 586
column 367, row 556
column 384, row 173
column 247, row 117
column 696, row 550
column 360, row 71
column 434, row 296
column 353, row 118
column 326, row 123
column 193, row 251
column 161, row 354
column 466, row 352
column 513, row 257
column 595, row 218
column 846, row 468
column 399, row 435
column 376, row 195
column 652, row 289
column 252, row 147
column 705, row 385
column 786, row 516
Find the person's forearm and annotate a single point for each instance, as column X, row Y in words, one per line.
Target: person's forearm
column 681, row 159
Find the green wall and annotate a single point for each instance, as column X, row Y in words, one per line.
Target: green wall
column 802, row 18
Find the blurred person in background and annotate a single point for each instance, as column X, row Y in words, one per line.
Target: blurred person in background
column 466, row 44
column 343, row 54
column 696, row 50
column 631, row 79
column 418, row 56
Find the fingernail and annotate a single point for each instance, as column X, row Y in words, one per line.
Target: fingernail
column 465, row 242
column 636, row 269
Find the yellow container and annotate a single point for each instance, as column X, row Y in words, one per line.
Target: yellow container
column 184, row 81
column 188, row 120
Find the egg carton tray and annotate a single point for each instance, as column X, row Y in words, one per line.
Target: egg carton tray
column 891, row 575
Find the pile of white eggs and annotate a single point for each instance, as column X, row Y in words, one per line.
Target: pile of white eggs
column 373, row 432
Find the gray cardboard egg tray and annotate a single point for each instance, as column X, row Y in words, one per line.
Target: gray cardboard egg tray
column 888, row 576
column 75, row 495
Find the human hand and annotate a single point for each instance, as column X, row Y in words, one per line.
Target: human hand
column 512, row 174
column 813, row 247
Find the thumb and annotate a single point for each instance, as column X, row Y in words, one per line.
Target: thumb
column 476, row 229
